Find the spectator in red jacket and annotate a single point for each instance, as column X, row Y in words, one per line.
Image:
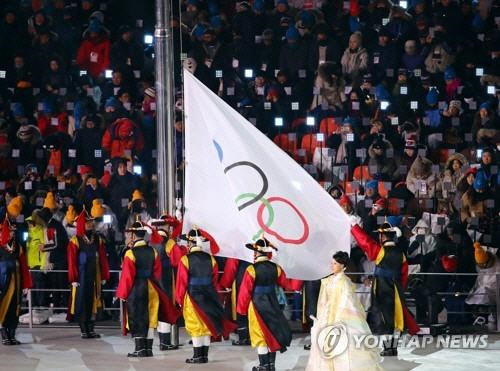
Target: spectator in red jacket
column 123, row 139
column 93, row 53
column 51, row 121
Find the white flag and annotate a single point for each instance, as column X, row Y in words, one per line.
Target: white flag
column 239, row 184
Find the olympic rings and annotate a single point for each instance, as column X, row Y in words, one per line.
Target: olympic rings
column 298, row 241
column 265, row 183
column 268, row 206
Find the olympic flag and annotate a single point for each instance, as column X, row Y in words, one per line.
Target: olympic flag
column 240, row 185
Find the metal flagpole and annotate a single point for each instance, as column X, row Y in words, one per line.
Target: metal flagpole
column 164, row 68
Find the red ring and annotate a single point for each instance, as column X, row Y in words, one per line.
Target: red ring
column 266, row 229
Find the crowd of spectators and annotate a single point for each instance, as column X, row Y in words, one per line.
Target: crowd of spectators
column 393, row 107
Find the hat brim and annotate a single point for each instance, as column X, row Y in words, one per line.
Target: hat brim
column 185, row 237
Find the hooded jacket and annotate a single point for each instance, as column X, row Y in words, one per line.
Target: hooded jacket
column 449, row 180
column 421, row 181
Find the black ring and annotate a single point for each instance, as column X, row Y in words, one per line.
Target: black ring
column 265, row 183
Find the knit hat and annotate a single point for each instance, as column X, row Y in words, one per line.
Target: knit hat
column 150, row 92
column 15, row 207
column 95, row 25
column 216, row 22
column 485, row 105
column 348, row 121
column 449, row 73
column 112, row 102
column 137, row 195
column 372, row 184
column 449, row 263
column 480, row 255
column 50, row 202
column 97, row 210
column 395, row 220
column 432, row 97
column 292, row 33
column 70, row 215
column 17, row 109
column 381, row 93
column 258, row 5
column 345, row 200
column 198, row 30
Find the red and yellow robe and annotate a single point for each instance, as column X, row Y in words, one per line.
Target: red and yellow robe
column 232, row 277
column 88, row 265
column 14, row 277
column 388, row 309
column 196, row 292
column 147, row 302
column 258, row 299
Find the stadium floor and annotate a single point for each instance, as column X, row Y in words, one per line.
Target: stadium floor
column 62, row 349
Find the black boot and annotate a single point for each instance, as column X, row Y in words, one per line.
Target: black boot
column 197, row 356
column 307, row 347
column 272, row 361
column 12, row 337
column 243, row 337
column 84, row 330
column 263, row 363
column 91, row 332
column 165, row 342
column 205, row 353
column 140, row 348
column 149, row 347
column 5, row 336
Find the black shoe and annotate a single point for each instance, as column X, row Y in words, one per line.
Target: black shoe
column 165, row 341
column 263, row 363
column 140, row 348
column 149, row 347
column 197, row 356
column 92, row 334
column 307, row 347
column 389, row 352
column 85, row 335
column 11, row 337
column 241, row 342
column 5, row 336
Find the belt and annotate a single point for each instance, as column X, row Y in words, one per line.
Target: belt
column 269, row 289
column 386, row 273
column 200, row 281
column 144, row 273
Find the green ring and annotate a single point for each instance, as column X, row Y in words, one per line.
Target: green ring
column 268, row 207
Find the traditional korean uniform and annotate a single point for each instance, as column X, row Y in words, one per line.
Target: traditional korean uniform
column 146, row 302
column 388, row 312
column 88, row 271
column 196, row 292
column 269, row 329
column 14, row 278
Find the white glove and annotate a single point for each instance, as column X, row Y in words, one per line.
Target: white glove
column 75, row 284
column 354, row 220
column 178, row 214
column 103, row 282
column 25, row 291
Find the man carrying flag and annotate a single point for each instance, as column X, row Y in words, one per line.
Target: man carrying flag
column 388, row 312
column 269, row 329
column 167, row 248
column 147, row 303
column 232, row 277
column 88, row 271
column 15, row 279
column 196, row 292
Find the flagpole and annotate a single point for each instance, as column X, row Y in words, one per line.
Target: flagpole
column 164, row 69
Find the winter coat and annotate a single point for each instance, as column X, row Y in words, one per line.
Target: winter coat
column 422, row 242
column 485, row 288
column 294, row 58
column 87, row 141
column 421, row 181
column 123, row 135
column 53, row 124
column 472, row 206
column 121, row 188
column 439, row 64
column 354, row 62
column 93, row 55
column 125, row 54
column 331, row 90
column 381, row 167
column 449, row 180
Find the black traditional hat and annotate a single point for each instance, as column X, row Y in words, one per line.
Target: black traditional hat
column 262, row 245
column 193, row 235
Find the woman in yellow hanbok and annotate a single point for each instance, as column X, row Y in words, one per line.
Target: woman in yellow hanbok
column 341, row 314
